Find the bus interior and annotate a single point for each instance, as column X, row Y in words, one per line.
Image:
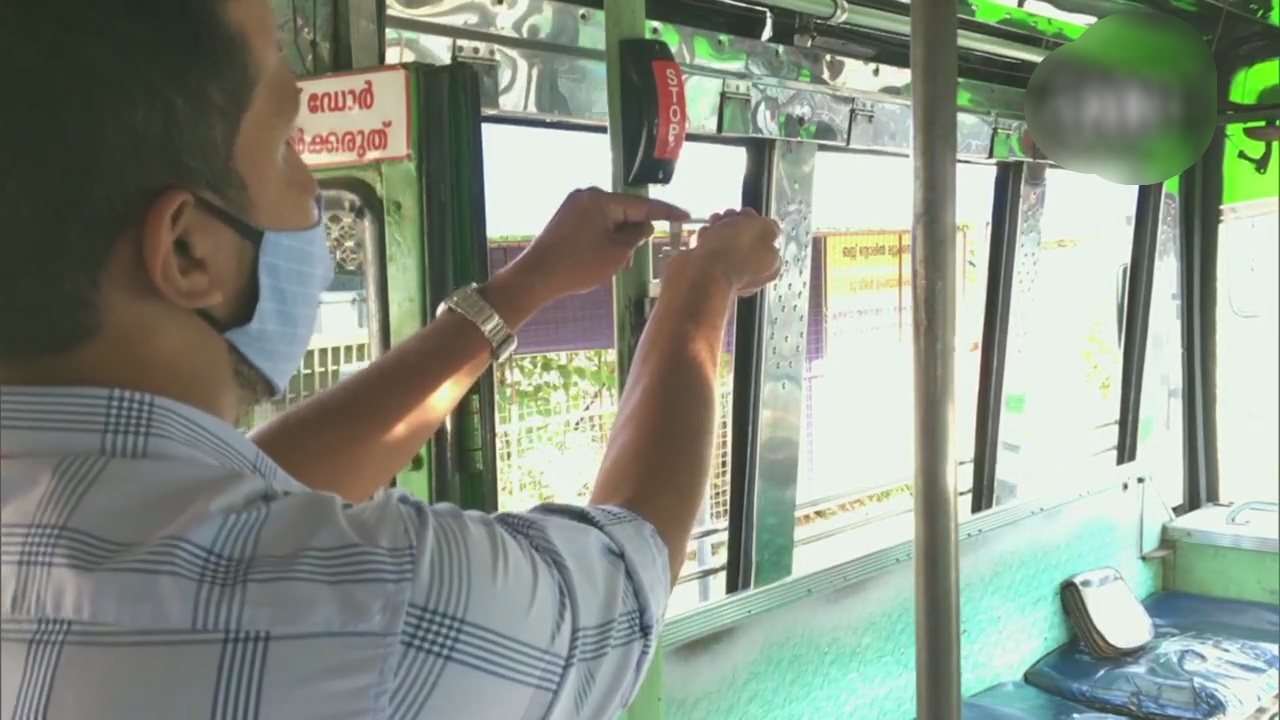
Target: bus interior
column 1113, row 415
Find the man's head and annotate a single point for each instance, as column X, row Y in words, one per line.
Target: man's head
column 126, row 120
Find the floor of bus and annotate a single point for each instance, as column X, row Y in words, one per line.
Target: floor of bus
column 849, row 653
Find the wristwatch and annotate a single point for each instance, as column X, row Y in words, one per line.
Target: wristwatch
column 466, row 301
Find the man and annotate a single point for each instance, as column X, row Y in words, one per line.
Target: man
column 158, row 564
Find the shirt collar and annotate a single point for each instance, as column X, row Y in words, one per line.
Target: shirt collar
column 59, row 421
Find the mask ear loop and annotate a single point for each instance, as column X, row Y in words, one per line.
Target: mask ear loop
column 251, row 235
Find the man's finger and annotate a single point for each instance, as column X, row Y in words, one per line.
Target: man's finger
column 633, row 233
column 626, row 209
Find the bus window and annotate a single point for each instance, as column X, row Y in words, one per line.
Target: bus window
column 1248, row 353
column 1062, row 382
column 557, row 397
column 857, row 462
column 708, row 180
column 347, row 327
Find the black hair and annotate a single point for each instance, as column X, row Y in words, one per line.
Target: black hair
column 107, row 104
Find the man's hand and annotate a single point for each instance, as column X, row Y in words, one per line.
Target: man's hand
column 660, row 447
column 741, row 248
column 589, row 240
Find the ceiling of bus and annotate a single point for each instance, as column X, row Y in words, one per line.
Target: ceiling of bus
column 308, row 27
column 1067, row 19
column 307, row 31
column 1039, row 22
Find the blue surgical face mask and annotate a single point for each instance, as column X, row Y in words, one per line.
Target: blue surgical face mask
column 294, row 268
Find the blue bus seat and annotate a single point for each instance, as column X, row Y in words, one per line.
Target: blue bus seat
column 1020, row 701
column 1210, row 659
column 1237, row 619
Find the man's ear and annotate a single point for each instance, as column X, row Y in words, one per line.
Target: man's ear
column 183, row 252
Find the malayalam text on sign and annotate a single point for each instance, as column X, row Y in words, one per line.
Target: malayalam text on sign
column 354, row 118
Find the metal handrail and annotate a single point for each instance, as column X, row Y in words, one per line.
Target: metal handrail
column 840, row 13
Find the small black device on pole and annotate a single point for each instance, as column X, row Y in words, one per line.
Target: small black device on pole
column 654, row 115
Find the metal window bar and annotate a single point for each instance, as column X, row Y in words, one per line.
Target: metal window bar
column 1135, row 321
column 858, row 523
column 748, row 358
column 1022, row 300
column 1006, row 226
column 812, row 507
column 623, row 20
column 1200, row 197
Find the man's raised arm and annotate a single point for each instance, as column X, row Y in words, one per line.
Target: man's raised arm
column 352, row 438
column 659, row 455
column 556, row 612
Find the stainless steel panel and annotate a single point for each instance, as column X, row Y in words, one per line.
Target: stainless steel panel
column 839, row 12
column 1246, row 526
column 782, row 386
column 1021, row 315
column 550, row 58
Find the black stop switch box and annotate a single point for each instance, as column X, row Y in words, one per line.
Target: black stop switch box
column 654, row 114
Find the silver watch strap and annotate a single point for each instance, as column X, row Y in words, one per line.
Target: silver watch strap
column 467, row 302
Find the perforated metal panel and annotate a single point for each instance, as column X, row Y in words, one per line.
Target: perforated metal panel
column 782, row 387
column 1022, row 313
column 346, row 238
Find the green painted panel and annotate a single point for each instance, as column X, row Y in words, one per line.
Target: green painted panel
column 1241, row 181
column 398, row 187
column 1225, row 572
column 851, row 653
column 406, row 284
column 648, row 702
column 405, row 262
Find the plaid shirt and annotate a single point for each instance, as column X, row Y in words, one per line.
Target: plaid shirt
column 157, row 566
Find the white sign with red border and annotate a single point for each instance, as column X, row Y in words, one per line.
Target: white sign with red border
column 354, row 118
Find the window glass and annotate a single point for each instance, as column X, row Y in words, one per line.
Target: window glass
column 1062, row 381
column 1248, row 353
column 346, row 332
column 707, row 180
column 557, row 396
column 858, row 446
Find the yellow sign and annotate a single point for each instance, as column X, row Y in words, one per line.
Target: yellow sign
column 868, row 277
column 882, row 258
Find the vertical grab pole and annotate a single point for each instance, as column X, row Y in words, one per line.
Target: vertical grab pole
column 934, row 75
column 625, row 20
